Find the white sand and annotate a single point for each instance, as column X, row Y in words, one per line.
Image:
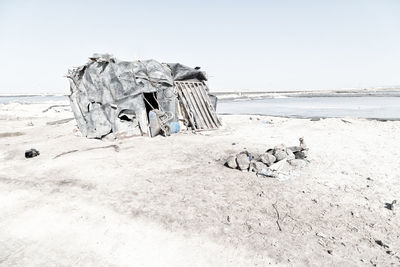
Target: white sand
column 165, row 201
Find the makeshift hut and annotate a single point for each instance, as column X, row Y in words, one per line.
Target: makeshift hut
column 129, row 98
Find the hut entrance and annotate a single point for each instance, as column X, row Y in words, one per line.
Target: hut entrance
column 150, row 100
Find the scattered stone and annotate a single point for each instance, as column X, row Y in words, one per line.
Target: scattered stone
column 267, row 159
column 31, row 153
column 321, row 235
column 315, row 119
column 233, row 144
column 231, row 162
column 380, row 243
column 30, row 123
column 329, row 251
column 243, row 161
column 390, row 206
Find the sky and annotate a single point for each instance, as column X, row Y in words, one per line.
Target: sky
column 242, row 45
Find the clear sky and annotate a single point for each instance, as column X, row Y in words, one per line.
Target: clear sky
column 243, row 45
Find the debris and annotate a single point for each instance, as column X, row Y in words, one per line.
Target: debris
column 321, row 235
column 315, row 119
column 302, row 143
column 65, row 153
column 31, row 153
column 243, row 161
column 267, row 173
column 380, row 243
column 59, row 121
column 231, row 162
column 54, row 106
column 277, row 215
column 390, row 206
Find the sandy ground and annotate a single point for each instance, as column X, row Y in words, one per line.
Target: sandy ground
column 171, row 202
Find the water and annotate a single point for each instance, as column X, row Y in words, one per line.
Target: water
column 306, row 107
column 382, row 107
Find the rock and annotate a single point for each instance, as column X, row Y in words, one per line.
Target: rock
column 31, row 153
column 290, row 154
column 280, row 155
column 282, row 166
column 390, row 206
column 294, row 149
column 255, row 166
column 231, row 162
column 270, row 151
column 243, row 161
column 298, row 163
column 280, row 152
column 380, row 243
column 301, row 154
column 267, row 159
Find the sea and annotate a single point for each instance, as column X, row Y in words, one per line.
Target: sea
column 383, row 107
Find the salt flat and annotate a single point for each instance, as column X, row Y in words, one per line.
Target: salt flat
column 166, row 201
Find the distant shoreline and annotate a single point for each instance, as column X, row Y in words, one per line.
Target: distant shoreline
column 384, row 92
column 227, row 95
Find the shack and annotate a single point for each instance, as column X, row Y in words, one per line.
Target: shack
column 135, row 98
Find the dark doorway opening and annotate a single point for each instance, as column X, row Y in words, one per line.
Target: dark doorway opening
column 150, row 100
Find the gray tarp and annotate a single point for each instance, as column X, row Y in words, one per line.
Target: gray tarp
column 107, row 94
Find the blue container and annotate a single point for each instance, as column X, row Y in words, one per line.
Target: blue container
column 175, row 127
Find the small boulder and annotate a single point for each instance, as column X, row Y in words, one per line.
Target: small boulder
column 280, row 152
column 267, row 159
column 31, row 153
column 255, row 166
column 301, row 154
column 231, row 162
column 243, row 161
column 290, row 154
column 280, row 155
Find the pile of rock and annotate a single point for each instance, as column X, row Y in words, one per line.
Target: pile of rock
column 274, row 160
